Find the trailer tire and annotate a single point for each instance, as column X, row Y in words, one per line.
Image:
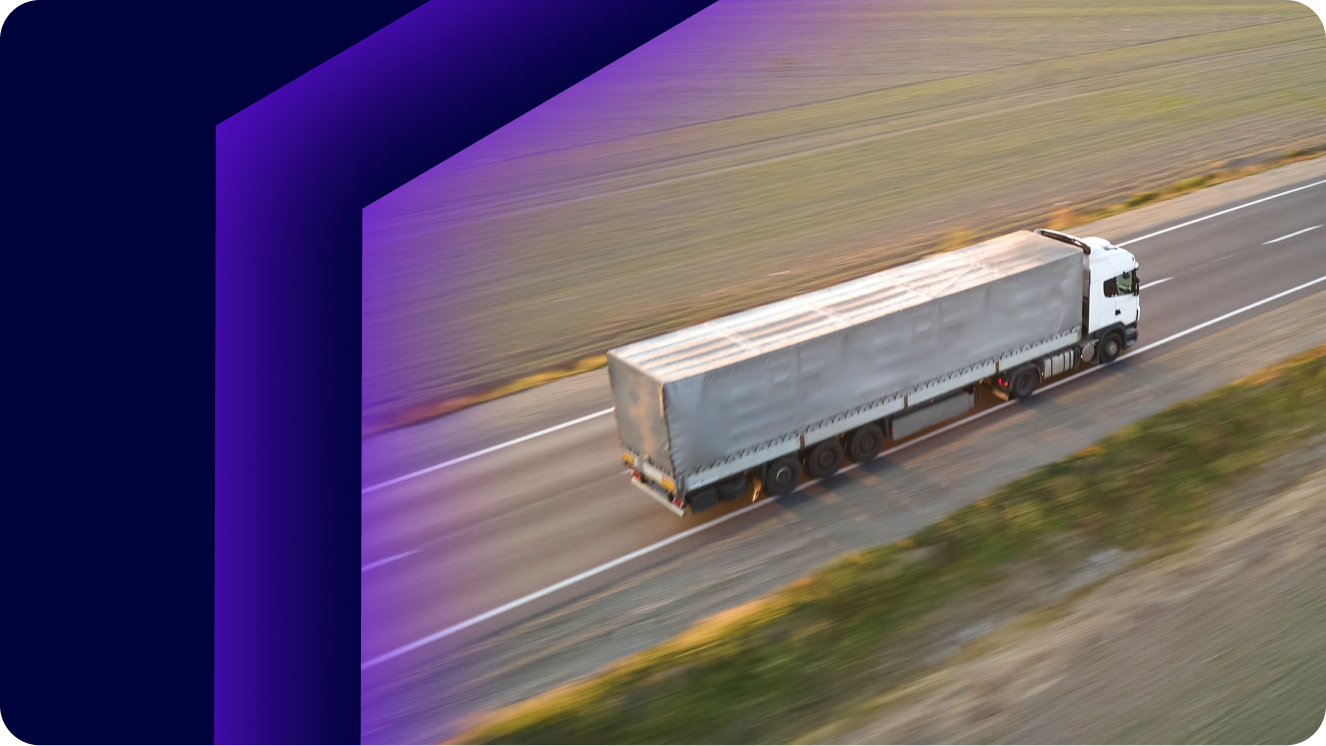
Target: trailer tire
column 1110, row 347
column 732, row 488
column 824, row 459
column 865, row 443
column 782, row 476
column 703, row 499
column 1024, row 382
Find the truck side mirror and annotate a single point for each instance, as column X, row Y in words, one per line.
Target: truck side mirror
column 1137, row 284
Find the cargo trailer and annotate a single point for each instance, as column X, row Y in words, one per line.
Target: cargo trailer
column 750, row 404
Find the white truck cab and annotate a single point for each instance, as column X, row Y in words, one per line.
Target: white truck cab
column 1111, row 296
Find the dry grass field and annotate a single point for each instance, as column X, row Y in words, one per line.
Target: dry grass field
column 768, row 147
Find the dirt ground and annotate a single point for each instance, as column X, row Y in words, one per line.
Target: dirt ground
column 1221, row 642
column 765, row 148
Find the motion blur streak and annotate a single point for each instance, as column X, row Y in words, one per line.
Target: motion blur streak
column 385, row 560
column 753, row 506
column 588, row 417
column 487, row 450
column 560, row 585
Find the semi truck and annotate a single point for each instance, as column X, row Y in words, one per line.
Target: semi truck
column 750, row 404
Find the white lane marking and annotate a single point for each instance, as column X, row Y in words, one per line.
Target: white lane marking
column 555, row 587
column 1157, row 282
column 756, row 505
column 385, row 560
column 485, row 451
column 536, row 595
column 1223, row 212
column 1188, row 331
column 577, row 421
column 403, row 555
column 1291, row 235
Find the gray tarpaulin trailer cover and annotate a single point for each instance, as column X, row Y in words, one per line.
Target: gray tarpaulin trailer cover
column 700, row 396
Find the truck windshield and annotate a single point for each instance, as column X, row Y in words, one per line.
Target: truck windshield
column 1125, row 283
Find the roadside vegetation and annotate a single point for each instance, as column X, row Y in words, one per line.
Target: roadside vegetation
column 777, row 668
column 1068, row 217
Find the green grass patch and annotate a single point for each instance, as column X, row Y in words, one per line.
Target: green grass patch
column 776, row 668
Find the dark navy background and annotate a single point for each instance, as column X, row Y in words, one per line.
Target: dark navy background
column 133, row 228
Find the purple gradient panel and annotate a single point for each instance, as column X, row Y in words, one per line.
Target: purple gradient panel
column 420, row 313
column 293, row 173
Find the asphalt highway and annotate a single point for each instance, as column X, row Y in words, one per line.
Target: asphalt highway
column 504, row 552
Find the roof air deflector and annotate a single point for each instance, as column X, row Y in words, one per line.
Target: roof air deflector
column 1056, row 235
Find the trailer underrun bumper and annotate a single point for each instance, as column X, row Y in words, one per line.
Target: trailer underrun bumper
column 659, row 495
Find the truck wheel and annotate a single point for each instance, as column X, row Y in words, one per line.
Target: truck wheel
column 702, row 500
column 1024, row 382
column 732, row 488
column 782, row 476
column 1110, row 347
column 824, row 459
column 865, row 443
